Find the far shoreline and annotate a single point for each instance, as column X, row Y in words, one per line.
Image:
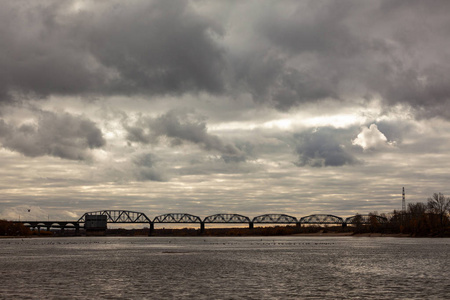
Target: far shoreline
column 300, row 235
column 351, row 234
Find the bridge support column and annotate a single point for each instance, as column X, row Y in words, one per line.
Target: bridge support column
column 202, row 227
column 250, row 225
column 152, row 228
column 39, row 230
column 344, row 225
column 49, row 225
column 298, row 224
column 77, row 228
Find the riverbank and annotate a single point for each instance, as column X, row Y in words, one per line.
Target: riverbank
column 339, row 234
column 300, row 235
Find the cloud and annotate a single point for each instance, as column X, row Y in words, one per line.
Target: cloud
column 313, row 28
column 156, row 46
column 145, row 168
column 348, row 50
column 323, row 148
column 395, row 130
column 38, row 57
column 24, row 213
column 282, row 54
column 180, row 127
column 371, row 138
column 60, row 135
column 150, row 47
column 255, row 78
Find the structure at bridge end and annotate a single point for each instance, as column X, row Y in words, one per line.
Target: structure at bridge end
column 94, row 223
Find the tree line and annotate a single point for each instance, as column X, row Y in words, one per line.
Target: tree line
column 419, row 219
column 8, row 228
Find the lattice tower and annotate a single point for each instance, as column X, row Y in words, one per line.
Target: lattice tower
column 403, row 200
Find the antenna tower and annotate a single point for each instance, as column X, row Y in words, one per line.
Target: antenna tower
column 403, row 200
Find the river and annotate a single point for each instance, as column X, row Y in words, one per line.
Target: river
column 225, row 268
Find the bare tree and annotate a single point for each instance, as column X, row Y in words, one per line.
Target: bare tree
column 440, row 206
column 416, row 217
column 417, row 210
column 358, row 222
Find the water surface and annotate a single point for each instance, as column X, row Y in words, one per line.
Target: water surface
column 224, row 268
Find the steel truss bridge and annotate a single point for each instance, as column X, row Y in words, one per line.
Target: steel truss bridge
column 125, row 216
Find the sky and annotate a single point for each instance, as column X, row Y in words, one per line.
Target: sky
column 206, row 107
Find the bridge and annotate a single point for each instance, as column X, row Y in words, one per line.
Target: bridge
column 129, row 217
column 62, row 225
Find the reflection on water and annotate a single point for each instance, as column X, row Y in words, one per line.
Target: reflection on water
column 224, row 268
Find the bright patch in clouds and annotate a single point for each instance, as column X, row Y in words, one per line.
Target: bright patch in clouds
column 281, row 124
column 371, row 138
column 337, row 121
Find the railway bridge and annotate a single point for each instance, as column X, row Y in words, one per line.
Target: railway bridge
column 129, row 217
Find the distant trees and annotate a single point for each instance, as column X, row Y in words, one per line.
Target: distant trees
column 423, row 219
column 8, row 228
column 374, row 225
column 358, row 222
column 416, row 218
column 439, row 206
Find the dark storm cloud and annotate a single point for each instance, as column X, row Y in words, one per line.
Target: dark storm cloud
column 180, row 127
column 37, row 54
column 324, row 147
column 269, row 79
column 64, row 135
column 346, row 49
column 395, row 130
column 284, row 54
column 156, row 47
column 427, row 90
column 316, row 28
column 148, row 47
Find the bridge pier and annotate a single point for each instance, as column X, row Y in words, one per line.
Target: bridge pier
column 152, row 228
column 202, row 227
column 250, row 225
column 298, row 224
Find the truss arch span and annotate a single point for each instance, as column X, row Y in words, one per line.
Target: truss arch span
column 321, row 219
column 118, row 216
column 227, row 218
column 177, row 218
column 365, row 219
column 275, row 219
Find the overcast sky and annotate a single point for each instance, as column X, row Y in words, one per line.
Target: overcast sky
column 205, row 107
